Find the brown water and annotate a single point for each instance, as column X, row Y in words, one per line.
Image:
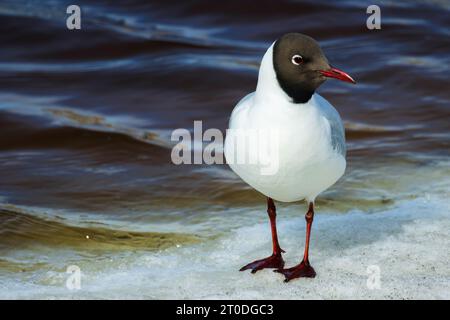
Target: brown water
column 86, row 118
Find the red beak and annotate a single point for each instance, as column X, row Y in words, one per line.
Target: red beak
column 337, row 74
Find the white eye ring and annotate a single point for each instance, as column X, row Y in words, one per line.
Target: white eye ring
column 297, row 59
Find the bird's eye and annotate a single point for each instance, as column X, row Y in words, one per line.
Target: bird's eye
column 297, row 59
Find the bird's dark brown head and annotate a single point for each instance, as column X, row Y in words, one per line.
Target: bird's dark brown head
column 301, row 66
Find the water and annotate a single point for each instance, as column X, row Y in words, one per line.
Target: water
column 85, row 171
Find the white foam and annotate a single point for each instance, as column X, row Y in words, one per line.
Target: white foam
column 409, row 242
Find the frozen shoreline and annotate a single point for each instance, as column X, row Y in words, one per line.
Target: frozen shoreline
column 408, row 242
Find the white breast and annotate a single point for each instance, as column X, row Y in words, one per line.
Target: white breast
column 309, row 138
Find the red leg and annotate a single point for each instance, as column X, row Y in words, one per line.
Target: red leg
column 275, row 260
column 304, row 269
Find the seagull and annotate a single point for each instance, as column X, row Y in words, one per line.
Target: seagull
column 311, row 138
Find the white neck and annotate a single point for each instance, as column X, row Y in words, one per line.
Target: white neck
column 268, row 87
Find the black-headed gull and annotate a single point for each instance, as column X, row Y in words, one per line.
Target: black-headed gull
column 310, row 136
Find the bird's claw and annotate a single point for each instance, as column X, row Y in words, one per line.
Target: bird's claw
column 302, row 270
column 274, row 261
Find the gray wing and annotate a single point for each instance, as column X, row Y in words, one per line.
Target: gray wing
column 336, row 126
column 337, row 135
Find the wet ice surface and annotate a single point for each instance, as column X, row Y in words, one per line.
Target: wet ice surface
column 409, row 243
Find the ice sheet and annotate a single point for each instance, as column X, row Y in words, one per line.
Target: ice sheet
column 409, row 243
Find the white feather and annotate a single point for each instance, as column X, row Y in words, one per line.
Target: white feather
column 311, row 148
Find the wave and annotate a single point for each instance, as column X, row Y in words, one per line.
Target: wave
column 19, row 230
